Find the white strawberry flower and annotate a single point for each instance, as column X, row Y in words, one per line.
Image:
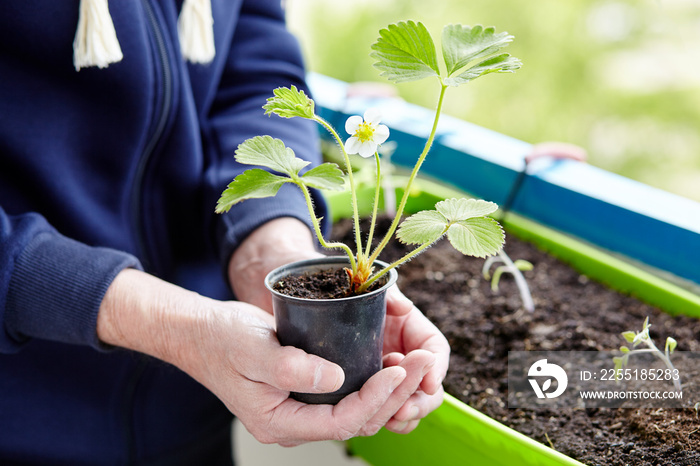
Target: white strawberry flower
column 366, row 134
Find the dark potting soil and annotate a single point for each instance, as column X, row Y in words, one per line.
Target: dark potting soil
column 572, row 313
column 324, row 284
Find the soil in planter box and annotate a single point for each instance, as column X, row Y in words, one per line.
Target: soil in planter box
column 572, row 313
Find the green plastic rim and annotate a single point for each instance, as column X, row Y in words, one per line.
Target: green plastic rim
column 456, row 434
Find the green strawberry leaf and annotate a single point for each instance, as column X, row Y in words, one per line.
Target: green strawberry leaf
column 478, row 236
column 424, row 227
column 325, row 176
column 253, row 183
column 405, row 51
column 464, row 44
column 463, row 209
column 289, row 103
column 270, row 153
column 463, row 220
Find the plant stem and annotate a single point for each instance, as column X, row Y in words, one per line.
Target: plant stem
column 404, row 198
column 317, row 228
column 353, row 194
column 398, row 262
column 377, row 189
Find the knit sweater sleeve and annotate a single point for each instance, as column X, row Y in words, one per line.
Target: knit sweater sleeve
column 51, row 286
column 263, row 56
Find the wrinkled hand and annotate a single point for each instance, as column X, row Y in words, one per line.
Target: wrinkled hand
column 231, row 348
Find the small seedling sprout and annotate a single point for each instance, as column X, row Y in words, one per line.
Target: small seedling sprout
column 642, row 337
column 404, row 52
column 514, row 268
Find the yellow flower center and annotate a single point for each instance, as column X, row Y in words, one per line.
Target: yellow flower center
column 364, row 132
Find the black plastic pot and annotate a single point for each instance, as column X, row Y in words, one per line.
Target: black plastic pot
column 347, row 331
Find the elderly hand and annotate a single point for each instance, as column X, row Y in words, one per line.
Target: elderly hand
column 231, row 348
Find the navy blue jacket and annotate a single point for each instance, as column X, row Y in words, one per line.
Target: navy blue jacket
column 104, row 169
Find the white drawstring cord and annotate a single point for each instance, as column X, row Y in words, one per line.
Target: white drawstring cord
column 96, row 42
column 195, row 27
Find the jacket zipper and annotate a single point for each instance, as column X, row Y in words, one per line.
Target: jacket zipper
column 163, row 114
column 137, row 212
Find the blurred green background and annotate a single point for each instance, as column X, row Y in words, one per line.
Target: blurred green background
column 619, row 78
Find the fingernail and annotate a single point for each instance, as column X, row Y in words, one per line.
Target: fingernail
column 413, row 413
column 399, row 426
column 397, row 380
column 428, row 367
column 328, row 378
